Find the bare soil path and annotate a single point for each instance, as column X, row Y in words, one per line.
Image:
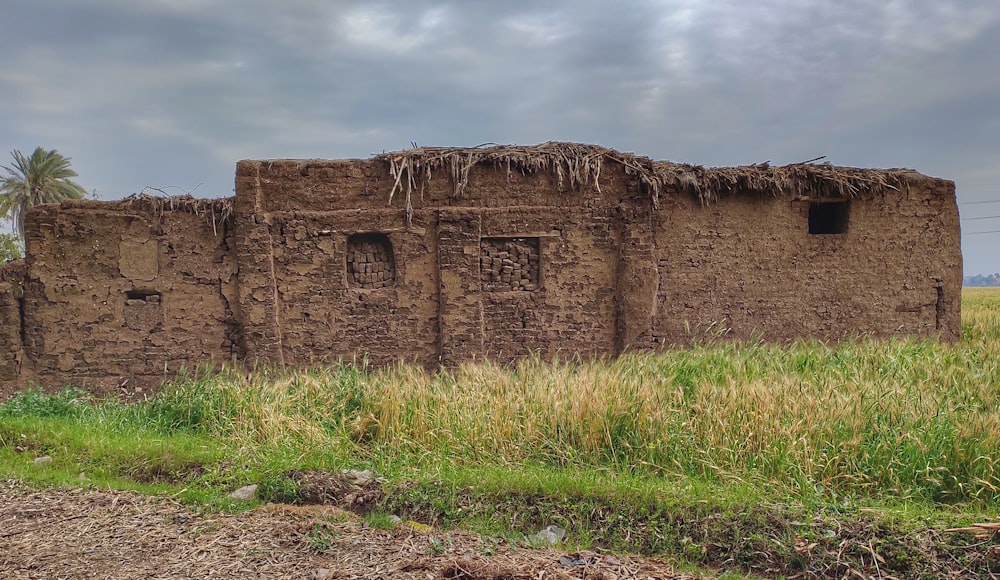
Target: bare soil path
column 78, row 533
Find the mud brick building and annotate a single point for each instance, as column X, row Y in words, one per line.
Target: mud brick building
column 437, row 256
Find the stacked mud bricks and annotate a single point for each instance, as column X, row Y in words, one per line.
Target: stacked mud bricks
column 508, row 264
column 370, row 263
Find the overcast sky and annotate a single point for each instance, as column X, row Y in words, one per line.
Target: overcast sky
column 171, row 93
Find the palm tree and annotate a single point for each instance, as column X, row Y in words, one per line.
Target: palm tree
column 42, row 178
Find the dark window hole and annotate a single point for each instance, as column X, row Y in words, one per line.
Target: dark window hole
column 828, row 217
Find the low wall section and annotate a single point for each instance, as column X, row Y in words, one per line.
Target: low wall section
column 118, row 295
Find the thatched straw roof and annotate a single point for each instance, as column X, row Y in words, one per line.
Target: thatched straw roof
column 184, row 203
column 573, row 164
column 810, row 179
column 576, row 165
column 216, row 211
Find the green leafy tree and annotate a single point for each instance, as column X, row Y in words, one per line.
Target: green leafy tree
column 44, row 177
column 10, row 248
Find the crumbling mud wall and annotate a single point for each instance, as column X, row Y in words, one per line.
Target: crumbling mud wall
column 500, row 263
column 11, row 323
column 124, row 294
column 751, row 267
column 440, row 256
column 302, row 303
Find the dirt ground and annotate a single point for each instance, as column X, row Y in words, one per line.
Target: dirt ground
column 110, row 534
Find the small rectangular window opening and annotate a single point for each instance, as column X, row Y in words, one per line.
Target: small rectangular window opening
column 149, row 296
column 828, row 217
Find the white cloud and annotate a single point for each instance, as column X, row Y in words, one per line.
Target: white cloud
column 380, row 28
column 936, row 26
column 537, row 29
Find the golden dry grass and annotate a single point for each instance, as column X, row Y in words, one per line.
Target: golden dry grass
column 914, row 418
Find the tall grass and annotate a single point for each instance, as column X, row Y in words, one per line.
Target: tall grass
column 981, row 316
column 915, row 419
column 910, row 418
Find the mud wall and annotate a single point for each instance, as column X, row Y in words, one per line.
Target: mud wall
column 316, row 265
column 750, row 268
column 303, row 305
column 119, row 298
column 11, row 311
column 516, row 264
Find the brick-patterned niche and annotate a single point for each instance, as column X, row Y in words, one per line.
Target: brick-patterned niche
column 143, row 309
column 508, row 264
column 370, row 261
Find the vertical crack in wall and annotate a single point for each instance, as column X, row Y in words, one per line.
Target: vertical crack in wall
column 275, row 299
column 267, row 222
column 939, row 308
column 654, row 223
column 618, row 339
column 21, row 321
column 438, row 285
column 232, row 338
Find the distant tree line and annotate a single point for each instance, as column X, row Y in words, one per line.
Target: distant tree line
column 982, row 280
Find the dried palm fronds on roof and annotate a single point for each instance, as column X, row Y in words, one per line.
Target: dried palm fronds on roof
column 222, row 206
column 216, row 211
column 574, row 165
column 577, row 164
column 798, row 179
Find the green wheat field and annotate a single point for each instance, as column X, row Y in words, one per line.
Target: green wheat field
column 903, row 434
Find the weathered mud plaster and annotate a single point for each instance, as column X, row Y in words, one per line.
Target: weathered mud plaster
column 11, row 321
column 503, row 253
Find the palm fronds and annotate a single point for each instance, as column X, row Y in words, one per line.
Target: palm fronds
column 576, row 165
column 42, row 177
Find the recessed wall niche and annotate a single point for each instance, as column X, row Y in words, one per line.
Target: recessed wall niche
column 370, row 261
column 509, row 264
column 143, row 309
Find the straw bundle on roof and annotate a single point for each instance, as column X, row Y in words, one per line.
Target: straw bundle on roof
column 216, row 211
column 576, row 165
column 798, row 179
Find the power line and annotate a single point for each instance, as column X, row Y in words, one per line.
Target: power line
column 975, row 233
column 985, row 217
column 978, row 202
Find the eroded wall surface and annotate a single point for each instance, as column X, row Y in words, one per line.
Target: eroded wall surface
column 11, row 313
column 301, row 305
column 315, row 265
column 117, row 298
column 749, row 267
column 516, row 264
